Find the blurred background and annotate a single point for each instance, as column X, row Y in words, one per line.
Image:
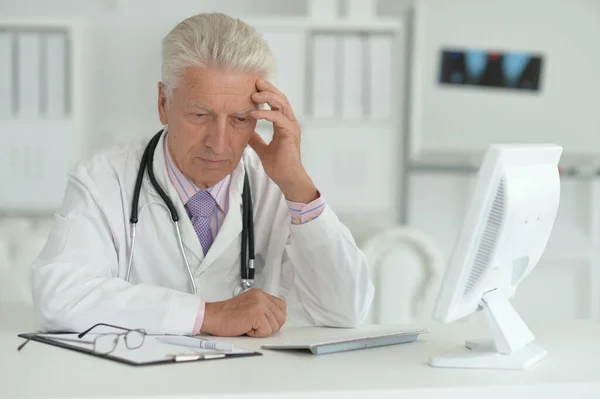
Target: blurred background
column 398, row 101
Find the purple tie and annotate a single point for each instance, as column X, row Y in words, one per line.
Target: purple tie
column 201, row 207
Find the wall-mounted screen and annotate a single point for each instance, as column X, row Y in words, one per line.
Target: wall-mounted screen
column 481, row 68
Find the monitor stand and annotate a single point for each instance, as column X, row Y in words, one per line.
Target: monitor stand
column 511, row 346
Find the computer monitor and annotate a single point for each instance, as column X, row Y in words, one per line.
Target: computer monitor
column 504, row 234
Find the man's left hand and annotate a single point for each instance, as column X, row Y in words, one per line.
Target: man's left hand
column 281, row 157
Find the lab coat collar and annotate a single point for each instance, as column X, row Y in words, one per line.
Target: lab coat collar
column 231, row 227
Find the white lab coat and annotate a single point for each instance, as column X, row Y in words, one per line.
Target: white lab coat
column 79, row 277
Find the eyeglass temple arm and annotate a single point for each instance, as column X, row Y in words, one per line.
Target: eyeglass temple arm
column 58, row 338
column 81, row 335
column 23, row 344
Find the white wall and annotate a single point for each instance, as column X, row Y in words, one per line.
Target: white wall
column 355, row 168
column 566, row 283
column 124, row 66
column 453, row 120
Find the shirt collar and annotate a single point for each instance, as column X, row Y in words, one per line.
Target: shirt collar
column 186, row 189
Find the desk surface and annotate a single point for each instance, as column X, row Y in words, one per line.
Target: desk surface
column 570, row 370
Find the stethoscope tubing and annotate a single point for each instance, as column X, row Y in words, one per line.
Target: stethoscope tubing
column 247, row 266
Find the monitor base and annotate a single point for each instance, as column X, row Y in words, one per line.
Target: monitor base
column 483, row 355
column 511, row 346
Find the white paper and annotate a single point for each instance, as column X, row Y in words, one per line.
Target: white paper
column 151, row 351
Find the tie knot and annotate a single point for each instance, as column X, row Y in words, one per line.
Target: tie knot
column 201, row 204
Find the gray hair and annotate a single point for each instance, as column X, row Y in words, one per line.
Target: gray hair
column 214, row 40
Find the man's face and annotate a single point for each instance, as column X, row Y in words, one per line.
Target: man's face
column 209, row 122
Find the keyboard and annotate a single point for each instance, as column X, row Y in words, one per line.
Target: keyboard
column 359, row 341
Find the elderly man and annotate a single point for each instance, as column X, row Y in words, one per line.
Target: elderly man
column 193, row 276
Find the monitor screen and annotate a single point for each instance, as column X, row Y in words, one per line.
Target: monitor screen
column 491, row 69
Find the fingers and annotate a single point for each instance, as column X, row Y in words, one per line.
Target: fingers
column 280, row 303
column 276, row 101
column 279, row 317
column 261, row 327
column 278, row 307
column 267, row 323
column 273, row 116
column 268, row 93
column 273, row 322
column 269, row 314
column 263, row 85
column 257, row 144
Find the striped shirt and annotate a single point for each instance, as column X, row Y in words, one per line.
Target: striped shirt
column 186, row 190
column 299, row 213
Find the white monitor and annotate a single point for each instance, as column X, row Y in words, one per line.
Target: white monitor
column 505, row 232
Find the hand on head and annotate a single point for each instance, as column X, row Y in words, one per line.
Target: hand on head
column 281, row 157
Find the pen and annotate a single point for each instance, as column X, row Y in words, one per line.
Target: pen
column 197, row 343
column 190, row 357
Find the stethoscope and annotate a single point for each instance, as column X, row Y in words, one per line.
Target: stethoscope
column 247, row 267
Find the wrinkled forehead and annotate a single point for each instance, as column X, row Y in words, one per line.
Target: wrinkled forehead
column 230, row 108
column 216, row 89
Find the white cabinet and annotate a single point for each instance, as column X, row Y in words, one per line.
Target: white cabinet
column 41, row 112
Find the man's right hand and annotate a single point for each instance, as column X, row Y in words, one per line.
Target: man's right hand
column 254, row 313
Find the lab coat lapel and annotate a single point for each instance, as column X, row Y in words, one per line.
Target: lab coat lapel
column 232, row 225
column 188, row 234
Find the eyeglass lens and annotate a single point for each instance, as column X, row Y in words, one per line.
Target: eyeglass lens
column 134, row 339
column 105, row 343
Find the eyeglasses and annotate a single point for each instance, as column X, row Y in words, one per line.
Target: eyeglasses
column 103, row 344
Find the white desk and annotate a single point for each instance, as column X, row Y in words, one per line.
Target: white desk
column 571, row 370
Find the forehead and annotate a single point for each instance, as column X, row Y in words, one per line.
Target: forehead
column 218, row 89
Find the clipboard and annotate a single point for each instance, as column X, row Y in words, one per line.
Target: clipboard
column 152, row 352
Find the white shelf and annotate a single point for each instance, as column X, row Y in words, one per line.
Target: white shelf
column 335, row 25
column 346, row 123
column 584, row 161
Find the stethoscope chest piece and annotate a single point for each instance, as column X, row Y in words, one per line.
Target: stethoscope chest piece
column 244, row 286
